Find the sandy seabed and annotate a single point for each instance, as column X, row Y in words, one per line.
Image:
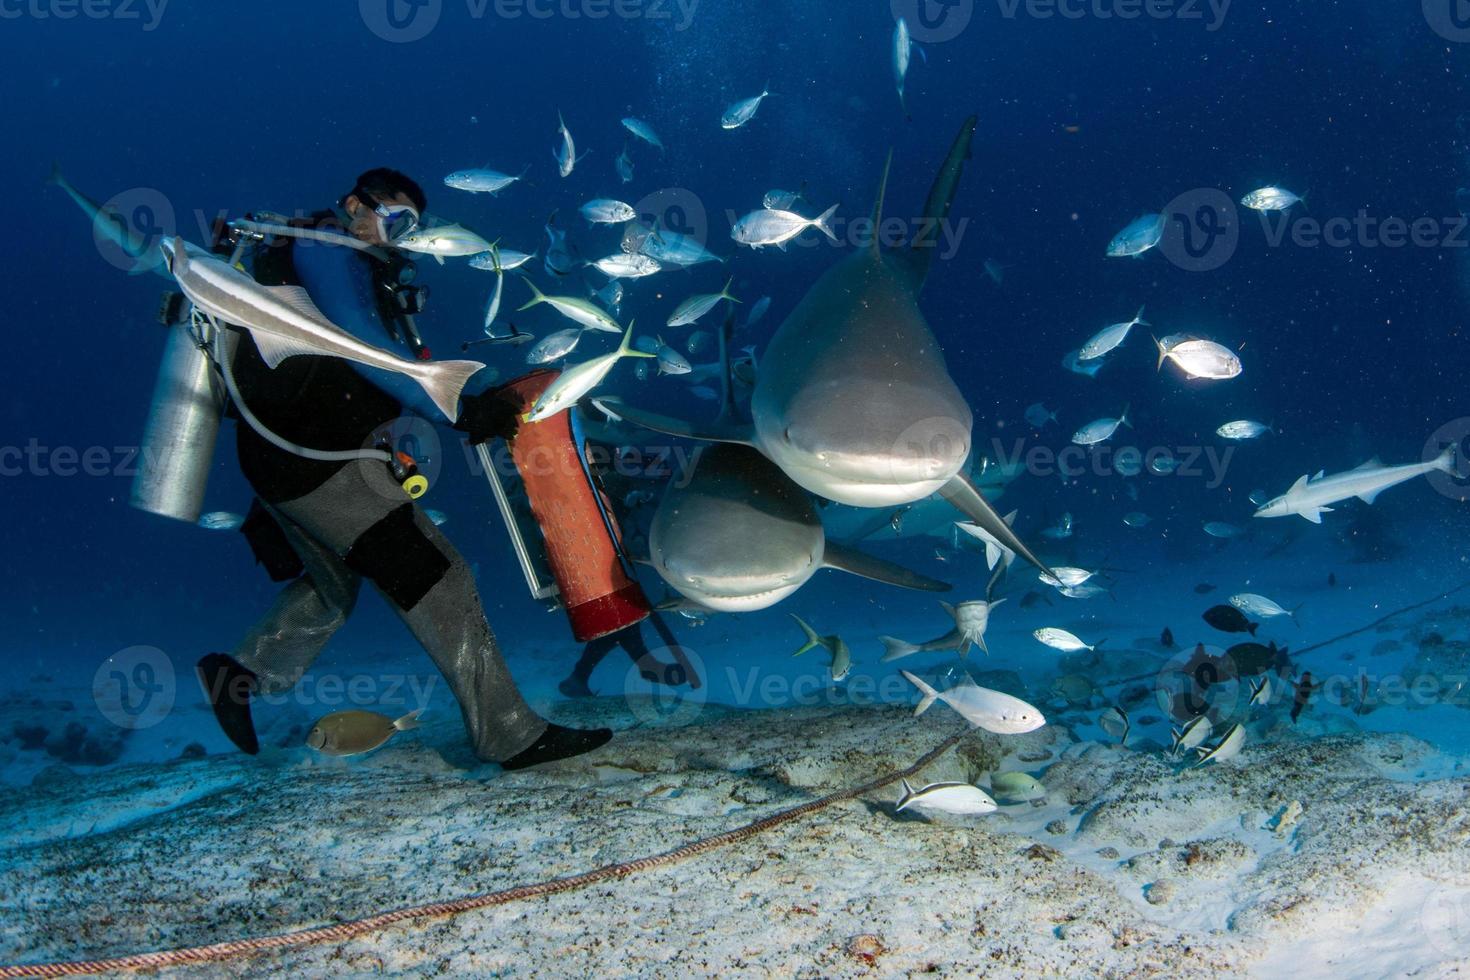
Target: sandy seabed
column 1131, row 865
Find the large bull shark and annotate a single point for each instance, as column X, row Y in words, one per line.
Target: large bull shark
column 853, row 400
column 740, row 536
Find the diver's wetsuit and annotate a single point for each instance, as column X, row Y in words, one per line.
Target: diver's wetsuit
column 353, row 521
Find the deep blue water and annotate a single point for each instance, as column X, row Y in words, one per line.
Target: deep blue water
column 1084, row 124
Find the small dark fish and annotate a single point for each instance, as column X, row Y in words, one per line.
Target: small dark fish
column 1256, row 658
column 1204, row 588
column 1166, row 639
column 1304, row 689
column 1033, row 599
column 1228, row 619
column 1332, row 579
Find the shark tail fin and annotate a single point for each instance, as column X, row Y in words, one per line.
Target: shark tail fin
column 896, row 649
column 444, row 381
column 930, row 695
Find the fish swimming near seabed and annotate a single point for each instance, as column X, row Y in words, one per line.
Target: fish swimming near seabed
column 345, row 733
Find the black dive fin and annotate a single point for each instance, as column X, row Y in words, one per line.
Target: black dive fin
column 962, row 493
column 714, row 432
column 936, row 208
column 855, row 562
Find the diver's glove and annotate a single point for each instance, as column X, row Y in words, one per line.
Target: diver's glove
column 494, row 414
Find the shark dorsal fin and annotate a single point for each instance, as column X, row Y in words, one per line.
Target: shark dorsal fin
column 878, row 204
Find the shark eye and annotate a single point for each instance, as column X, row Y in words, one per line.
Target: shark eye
column 786, row 435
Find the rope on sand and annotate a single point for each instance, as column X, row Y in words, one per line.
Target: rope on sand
column 358, row 927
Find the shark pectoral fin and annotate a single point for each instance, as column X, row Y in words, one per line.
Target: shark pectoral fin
column 855, row 562
column 714, row 432
column 1315, row 514
column 962, row 493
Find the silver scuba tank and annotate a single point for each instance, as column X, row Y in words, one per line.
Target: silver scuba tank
column 183, row 424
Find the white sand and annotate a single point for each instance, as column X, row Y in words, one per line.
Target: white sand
column 206, row 850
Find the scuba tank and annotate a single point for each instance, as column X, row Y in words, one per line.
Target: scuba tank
column 183, row 423
column 189, row 397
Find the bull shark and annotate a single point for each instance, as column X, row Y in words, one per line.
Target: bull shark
column 285, row 323
column 114, row 228
column 740, row 536
column 1310, row 497
column 854, row 401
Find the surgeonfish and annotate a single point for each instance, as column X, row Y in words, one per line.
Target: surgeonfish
column 344, row 733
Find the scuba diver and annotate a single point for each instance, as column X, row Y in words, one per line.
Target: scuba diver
column 650, row 668
column 325, row 526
